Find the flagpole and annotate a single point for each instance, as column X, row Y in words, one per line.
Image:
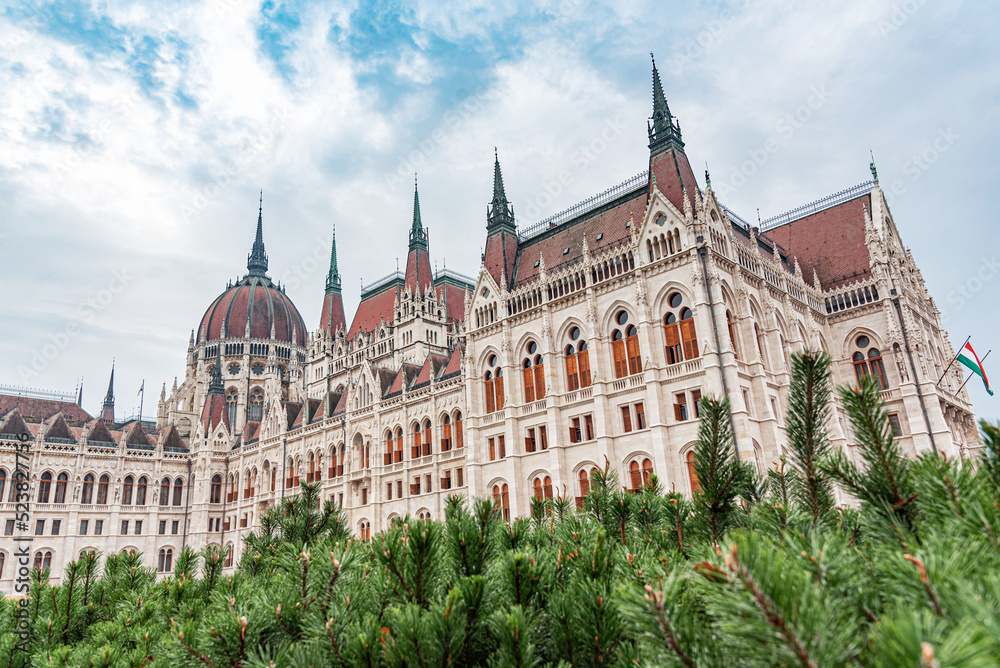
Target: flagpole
column 960, row 349
column 142, row 395
column 973, row 373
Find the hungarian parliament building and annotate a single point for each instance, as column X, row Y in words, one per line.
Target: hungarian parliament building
column 584, row 341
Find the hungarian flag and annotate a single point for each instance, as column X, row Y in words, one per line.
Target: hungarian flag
column 141, row 387
column 969, row 358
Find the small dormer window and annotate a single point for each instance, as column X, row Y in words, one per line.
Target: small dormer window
column 566, row 250
column 628, row 224
column 537, row 262
column 600, row 236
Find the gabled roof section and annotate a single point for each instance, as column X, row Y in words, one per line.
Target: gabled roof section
column 454, row 365
column 253, row 431
column 172, row 441
column 424, row 375
column 830, row 241
column 59, row 429
column 292, row 412
column 341, row 403
column 214, row 413
column 384, row 378
column 135, row 437
column 15, row 425
column 97, row 432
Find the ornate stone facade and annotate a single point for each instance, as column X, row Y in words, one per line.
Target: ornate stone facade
column 584, row 341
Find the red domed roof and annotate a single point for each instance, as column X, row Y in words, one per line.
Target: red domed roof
column 258, row 301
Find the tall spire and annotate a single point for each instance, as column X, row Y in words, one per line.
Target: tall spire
column 333, row 276
column 215, row 378
column 79, row 396
column 108, row 411
column 418, row 237
column 662, row 129
column 501, row 213
column 257, row 260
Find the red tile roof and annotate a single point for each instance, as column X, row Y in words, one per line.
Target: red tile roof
column 384, row 378
column 14, row 424
column 332, row 316
column 39, row 410
column 501, row 256
column 136, row 435
column 609, row 221
column 666, row 167
column 454, row 297
column 418, row 270
column 454, row 364
column 213, row 413
column 831, row 241
column 372, row 311
column 58, row 428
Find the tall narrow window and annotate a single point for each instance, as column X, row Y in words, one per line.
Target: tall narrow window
column 428, row 441
column 626, row 419
column 572, row 370
column 398, row 455
column 688, row 334
column 88, row 489
column 640, row 416
column 490, row 391
column 543, row 439
column 415, row 448
column 140, row 492
column 446, row 434
column 680, row 407
column 574, row 431
column 632, row 348
column 165, row 492
column 459, row 442
column 584, row 483
column 696, row 402
column 232, row 401
column 387, row 458
column 215, row 495
column 876, row 367
column 588, row 424
column 529, row 381
column 647, row 472
column 179, row 491
column 618, row 353
column 44, row 487
column 635, row 476
column 529, row 440
column 61, row 483
column 127, row 491
column 102, row 489
column 672, row 331
column 256, row 405
column 692, row 473
column 539, row 368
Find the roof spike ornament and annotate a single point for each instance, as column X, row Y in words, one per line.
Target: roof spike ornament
column 418, row 237
column 333, row 276
column 663, row 131
column 215, row 383
column 500, row 213
column 871, row 166
column 257, row 260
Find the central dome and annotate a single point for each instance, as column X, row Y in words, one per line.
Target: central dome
column 254, row 307
column 255, row 302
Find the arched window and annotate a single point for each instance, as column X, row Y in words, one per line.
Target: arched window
column 868, row 360
column 427, row 441
column 647, row 472
column 547, row 487
column 625, row 347
column 3, row 482
column 584, row 483
column 43, row 560
column 165, row 562
column 459, row 438
column 387, row 457
column 232, row 400
column 178, row 491
column 577, row 361
column 415, row 446
column 534, row 374
column 732, row 334
column 679, row 330
column 62, row 481
column 255, row 407
column 102, row 490
column 140, row 492
column 215, row 495
column 692, row 474
column 635, row 476
column 88, row 489
column 165, row 492
column 3, row 558
column 446, row 434
column 398, row 456
column 127, row 490
column 44, row 487
column 312, row 468
column 538, row 488
column 493, row 385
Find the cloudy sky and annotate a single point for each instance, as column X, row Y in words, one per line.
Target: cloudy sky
column 135, row 136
